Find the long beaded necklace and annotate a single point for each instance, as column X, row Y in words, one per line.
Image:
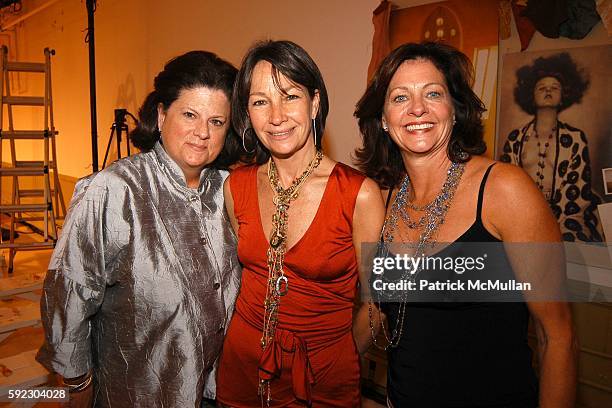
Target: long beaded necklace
column 278, row 284
column 542, row 153
column 435, row 213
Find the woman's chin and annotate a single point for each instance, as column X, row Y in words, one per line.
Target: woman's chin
column 199, row 162
column 285, row 150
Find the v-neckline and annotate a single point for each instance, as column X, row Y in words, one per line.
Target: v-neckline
column 314, row 219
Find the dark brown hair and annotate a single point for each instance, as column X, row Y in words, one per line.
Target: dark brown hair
column 380, row 157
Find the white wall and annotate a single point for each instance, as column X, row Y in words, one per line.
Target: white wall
column 135, row 37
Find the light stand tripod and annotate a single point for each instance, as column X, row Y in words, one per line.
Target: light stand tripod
column 118, row 127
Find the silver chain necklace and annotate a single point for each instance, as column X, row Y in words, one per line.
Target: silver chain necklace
column 435, row 213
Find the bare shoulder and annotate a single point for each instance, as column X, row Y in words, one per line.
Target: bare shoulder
column 370, row 202
column 369, row 212
column 516, row 208
column 227, row 195
column 369, row 190
column 512, row 186
column 504, row 182
column 226, row 186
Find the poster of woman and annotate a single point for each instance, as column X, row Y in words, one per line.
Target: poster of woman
column 555, row 123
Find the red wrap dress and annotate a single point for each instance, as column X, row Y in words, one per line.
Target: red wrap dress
column 313, row 358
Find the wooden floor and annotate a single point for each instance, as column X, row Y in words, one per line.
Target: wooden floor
column 20, row 331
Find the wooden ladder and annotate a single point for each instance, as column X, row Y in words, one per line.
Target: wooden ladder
column 44, row 204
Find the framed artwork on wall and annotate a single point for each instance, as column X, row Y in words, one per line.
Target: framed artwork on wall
column 554, row 122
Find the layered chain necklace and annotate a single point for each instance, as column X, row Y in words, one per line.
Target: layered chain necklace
column 435, row 213
column 278, row 284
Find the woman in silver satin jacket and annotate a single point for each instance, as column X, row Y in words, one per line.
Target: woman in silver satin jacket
column 142, row 282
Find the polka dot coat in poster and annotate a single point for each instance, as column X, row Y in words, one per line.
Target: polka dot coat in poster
column 572, row 200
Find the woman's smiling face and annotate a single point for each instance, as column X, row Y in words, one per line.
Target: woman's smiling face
column 418, row 109
column 281, row 112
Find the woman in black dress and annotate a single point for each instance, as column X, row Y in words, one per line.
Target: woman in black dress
column 422, row 133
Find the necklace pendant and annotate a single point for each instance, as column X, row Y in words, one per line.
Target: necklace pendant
column 277, row 240
column 282, row 285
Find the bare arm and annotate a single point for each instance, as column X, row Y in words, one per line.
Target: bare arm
column 368, row 218
column 229, row 204
column 514, row 191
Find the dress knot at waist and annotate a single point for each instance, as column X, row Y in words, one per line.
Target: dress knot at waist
column 270, row 363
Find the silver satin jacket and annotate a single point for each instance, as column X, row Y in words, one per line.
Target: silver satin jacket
column 142, row 283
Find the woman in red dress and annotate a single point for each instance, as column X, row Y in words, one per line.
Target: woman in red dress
column 300, row 217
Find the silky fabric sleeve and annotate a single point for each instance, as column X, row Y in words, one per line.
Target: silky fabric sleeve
column 94, row 232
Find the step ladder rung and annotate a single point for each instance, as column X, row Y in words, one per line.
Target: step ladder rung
column 28, row 246
column 24, row 100
column 24, row 207
column 26, row 66
column 26, row 134
column 36, row 192
column 23, row 171
column 24, row 164
column 28, row 219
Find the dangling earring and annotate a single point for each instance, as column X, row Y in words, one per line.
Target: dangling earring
column 314, row 130
column 385, row 127
column 454, row 120
column 244, row 144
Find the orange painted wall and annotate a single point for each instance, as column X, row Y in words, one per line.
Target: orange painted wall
column 478, row 20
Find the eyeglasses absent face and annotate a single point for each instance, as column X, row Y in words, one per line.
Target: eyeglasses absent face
column 547, row 93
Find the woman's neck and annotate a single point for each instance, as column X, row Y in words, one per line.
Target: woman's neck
column 291, row 167
column 546, row 121
column 427, row 175
column 192, row 178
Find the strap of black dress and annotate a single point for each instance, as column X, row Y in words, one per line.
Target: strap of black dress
column 389, row 198
column 481, row 192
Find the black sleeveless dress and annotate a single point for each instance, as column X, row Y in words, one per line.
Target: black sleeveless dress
column 462, row 354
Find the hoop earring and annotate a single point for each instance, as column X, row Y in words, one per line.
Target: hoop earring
column 244, row 145
column 314, row 131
